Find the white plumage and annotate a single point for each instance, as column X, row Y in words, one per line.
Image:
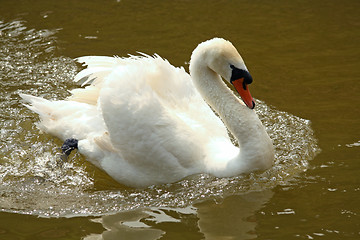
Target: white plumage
column 145, row 121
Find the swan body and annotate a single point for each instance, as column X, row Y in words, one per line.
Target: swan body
column 146, row 122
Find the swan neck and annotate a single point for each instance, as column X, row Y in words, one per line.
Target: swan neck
column 221, row 99
column 256, row 150
column 211, row 87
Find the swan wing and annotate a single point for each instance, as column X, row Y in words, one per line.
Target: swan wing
column 139, row 118
column 155, row 118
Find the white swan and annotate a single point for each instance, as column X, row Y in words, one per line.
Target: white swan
column 145, row 121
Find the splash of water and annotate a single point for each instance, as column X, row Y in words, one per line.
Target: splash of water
column 31, row 180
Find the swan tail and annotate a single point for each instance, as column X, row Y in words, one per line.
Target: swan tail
column 38, row 105
column 45, row 109
column 65, row 119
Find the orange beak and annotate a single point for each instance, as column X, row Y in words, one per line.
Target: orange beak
column 243, row 89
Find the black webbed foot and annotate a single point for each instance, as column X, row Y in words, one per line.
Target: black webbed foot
column 69, row 145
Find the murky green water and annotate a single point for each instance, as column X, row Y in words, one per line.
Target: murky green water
column 304, row 57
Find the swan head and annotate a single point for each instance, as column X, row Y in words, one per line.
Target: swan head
column 221, row 57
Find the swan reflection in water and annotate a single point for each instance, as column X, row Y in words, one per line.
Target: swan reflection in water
column 237, row 214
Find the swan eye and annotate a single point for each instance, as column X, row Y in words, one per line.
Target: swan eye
column 238, row 73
